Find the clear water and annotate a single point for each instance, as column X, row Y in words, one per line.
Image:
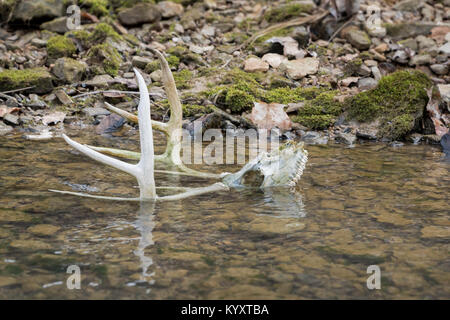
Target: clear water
column 356, row 207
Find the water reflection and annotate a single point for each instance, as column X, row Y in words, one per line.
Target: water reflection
column 145, row 223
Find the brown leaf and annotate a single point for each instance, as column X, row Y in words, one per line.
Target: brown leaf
column 4, row 110
column 269, row 116
column 435, row 114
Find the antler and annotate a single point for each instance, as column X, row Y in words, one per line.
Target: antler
column 143, row 171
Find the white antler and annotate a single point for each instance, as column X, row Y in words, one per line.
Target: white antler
column 143, row 171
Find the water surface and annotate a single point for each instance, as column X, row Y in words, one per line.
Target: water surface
column 367, row 205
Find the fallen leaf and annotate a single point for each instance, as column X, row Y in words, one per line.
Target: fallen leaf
column 269, row 116
column 4, row 110
column 435, row 114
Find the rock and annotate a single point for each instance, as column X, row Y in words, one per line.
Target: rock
column 53, row 118
column 274, row 226
column 381, row 48
column 11, row 119
column 409, row 43
column 346, row 82
column 69, row 70
column 290, row 46
column 109, row 124
column 255, row 65
column 208, row 31
column 357, row 38
column 425, row 42
column 41, row 10
column 346, row 138
column 38, row 78
column 40, row 43
column 419, row 60
column 408, row 29
column 95, row 111
column 101, row 81
column 367, row 131
column 409, row 5
column 4, row 129
column 170, row 9
column 293, row 107
column 274, row 59
column 439, row 69
column 367, row 83
column 444, row 90
column 445, row 49
column 156, row 76
column 314, row 137
column 43, row 229
column 299, row 68
column 58, row 25
column 140, row 62
column 139, row 14
column 63, row 97
column 445, row 143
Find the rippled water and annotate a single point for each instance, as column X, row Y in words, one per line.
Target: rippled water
column 356, row 207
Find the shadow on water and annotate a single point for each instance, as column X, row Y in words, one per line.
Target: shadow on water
column 355, row 207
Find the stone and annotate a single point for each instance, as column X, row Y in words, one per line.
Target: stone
column 425, row 42
column 444, row 90
column 139, row 14
column 11, row 119
column 102, row 80
column 357, row 38
column 299, row 68
column 419, row 60
column 140, row 62
column 156, row 76
column 38, row 78
column 439, row 69
column 40, row 43
column 445, row 49
column 7, row 281
column 346, row 138
column 255, row 65
column 4, row 129
column 53, row 118
column 208, row 31
column 63, row 97
column 409, row 29
column 409, row 5
column 170, row 9
column 367, row 83
column 274, row 59
column 95, row 111
column 58, row 25
column 69, row 70
column 29, row 10
column 30, row 245
column 382, row 47
column 43, row 229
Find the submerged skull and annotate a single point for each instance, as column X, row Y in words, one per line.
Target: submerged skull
column 281, row 167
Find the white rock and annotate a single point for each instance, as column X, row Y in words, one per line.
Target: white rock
column 255, row 64
column 170, row 9
column 274, row 59
column 299, row 68
column 445, row 48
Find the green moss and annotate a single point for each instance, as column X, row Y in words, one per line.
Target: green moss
column 60, row 46
column 315, row 122
column 97, row 7
column 173, row 61
column 103, row 31
column 190, row 110
column 238, row 100
column 323, row 104
column 185, row 55
column 40, row 78
column 105, row 58
column 182, row 78
column 283, row 13
column 277, row 33
column 352, row 67
column 12, row 269
column 398, row 99
column 152, row 66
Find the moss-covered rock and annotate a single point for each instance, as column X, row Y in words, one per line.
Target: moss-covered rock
column 398, row 103
column 185, row 55
column 190, row 110
column 182, row 78
column 39, row 78
column 97, row 7
column 60, row 46
column 321, row 111
column 104, row 59
column 69, row 70
column 102, row 31
column 288, row 11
